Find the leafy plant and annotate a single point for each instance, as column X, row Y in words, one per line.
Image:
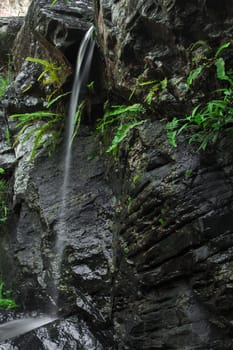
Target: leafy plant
column 45, row 126
column 136, row 179
column 52, row 74
column 204, row 62
column 153, row 85
column 46, row 133
column 209, row 119
column 5, row 301
column 77, row 119
column 123, row 118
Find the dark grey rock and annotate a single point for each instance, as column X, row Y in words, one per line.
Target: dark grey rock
column 9, row 28
column 31, row 231
column 173, row 233
column 173, row 248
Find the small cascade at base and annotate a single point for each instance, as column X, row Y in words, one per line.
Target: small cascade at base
column 15, row 328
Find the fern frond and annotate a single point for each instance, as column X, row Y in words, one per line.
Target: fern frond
column 121, row 134
column 77, row 120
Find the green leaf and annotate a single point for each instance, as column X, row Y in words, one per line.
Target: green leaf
column 200, row 43
column 50, row 103
column 149, row 97
column 29, row 117
column 44, row 63
column 77, row 119
column 172, row 138
column 172, row 124
column 222, row 47
column 119, row 113
column 2, row 171
column 149, row 82
column 53, row 3
column 117, row 110
column 121, row 134
column 183, row 127
column 220, row 65
column 194, row 74
column 6, row 302
column 90, row 86
column 163, row 83
column 194, row 111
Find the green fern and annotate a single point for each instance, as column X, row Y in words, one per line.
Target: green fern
column 51, row 75
column 56, row 99
column 207, row 121
column 221, row 48
column 204, row 62
column 120, row 135
column 5, row 301
column 194, row 74
column 122, row 118
column 46, row 134
column 77, row 119
column 149, row 87
column 119, row 112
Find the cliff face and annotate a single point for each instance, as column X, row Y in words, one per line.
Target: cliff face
column 148, row 235
column 173, row 243
column 29, row 238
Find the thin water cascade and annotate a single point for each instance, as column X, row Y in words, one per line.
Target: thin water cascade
column 15, row 328
column 83, row 65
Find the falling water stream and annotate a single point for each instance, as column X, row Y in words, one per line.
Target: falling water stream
column 83, row 65
column 17, row 327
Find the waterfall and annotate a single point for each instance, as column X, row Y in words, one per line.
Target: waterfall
column 15, row 328
column 83, row 65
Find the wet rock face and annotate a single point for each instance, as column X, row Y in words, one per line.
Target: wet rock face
column 53, row 32
column 9, row 27
column 152, row 37
column 173, row 241
column 28, row 252
column 173, row 246
column 69, row 333
column 28, row 242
